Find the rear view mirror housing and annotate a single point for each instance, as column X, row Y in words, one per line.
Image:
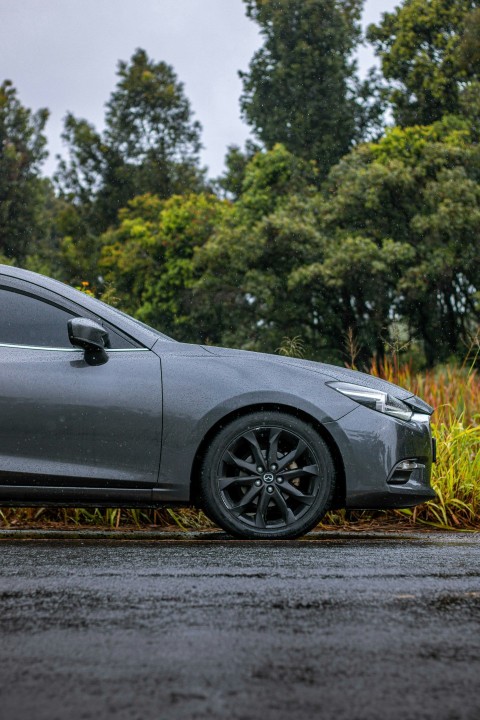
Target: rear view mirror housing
column 92, row 337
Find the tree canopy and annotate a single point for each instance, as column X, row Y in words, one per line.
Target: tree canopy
column 429, row 55
column 22, row 192
column 299, row 87
column 415, row 193
column 150, row 144
column 148, row 258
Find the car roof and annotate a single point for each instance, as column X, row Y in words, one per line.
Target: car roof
column 145, row 335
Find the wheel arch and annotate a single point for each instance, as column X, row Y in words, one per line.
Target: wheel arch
column 339, row 495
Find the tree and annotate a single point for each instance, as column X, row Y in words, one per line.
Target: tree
column 22, row 191
column 243, row 293
column 429, row 54
column 280, row 268
column 149, row 124
column 236, row 161
column 415, row 197
column 299, row 90
column 356, row 278
column 392, row 238
column 149, row 259
column 150, row 145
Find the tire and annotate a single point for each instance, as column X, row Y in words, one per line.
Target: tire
column 267, row 475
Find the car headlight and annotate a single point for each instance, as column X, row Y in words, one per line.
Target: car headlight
column 374, row 399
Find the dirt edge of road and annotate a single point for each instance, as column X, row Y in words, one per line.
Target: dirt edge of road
column 399, row 533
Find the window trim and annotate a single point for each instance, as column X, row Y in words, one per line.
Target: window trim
column 84, row 306
column 44, row 295
column 69, row 350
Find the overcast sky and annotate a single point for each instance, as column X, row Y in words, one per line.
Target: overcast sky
column 62, row 54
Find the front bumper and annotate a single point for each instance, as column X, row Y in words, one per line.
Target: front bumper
column 387, row 462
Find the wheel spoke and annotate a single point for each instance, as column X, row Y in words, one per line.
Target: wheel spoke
column 257, row 453
column 292, row 455
column 306, row 471
column 273, row 446
column 232, row 459
column 271, row 478
column 226, row 482
column 245, row 501
column 297, row 494
column 287, row 513
column 260, row 517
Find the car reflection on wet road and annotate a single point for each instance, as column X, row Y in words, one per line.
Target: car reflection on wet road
column 328, row 627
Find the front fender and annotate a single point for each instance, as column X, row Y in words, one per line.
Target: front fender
column 199, row 391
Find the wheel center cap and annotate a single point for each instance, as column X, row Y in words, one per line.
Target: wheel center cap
column 268, row 477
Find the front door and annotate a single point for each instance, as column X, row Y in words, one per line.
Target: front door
column 65, row 424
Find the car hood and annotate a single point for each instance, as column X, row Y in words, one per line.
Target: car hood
column 332, row 372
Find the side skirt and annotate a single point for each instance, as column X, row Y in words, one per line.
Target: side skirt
column 30, row 496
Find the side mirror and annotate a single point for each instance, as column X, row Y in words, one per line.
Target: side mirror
column 90, row 336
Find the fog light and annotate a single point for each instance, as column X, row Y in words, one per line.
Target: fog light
column 407, row 470
column 407, row 465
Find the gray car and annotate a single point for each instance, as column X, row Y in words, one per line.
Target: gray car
column 97, row 408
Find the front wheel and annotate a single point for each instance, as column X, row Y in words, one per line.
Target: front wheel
column 268, row 475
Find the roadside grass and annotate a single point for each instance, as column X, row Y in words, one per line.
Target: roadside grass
column 113, row 518
column 453, row 391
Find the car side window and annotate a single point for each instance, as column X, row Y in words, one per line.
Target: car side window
column 25, row 320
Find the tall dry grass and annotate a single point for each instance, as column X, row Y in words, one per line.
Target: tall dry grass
column 454, row 392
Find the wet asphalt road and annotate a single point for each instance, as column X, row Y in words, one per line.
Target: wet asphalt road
column 333, row 628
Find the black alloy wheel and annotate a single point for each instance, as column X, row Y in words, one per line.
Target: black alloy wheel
column 268, row 475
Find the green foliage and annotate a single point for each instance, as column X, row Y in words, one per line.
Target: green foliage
column 247, row 263
column 150, row 145
column 236, row 161
column 22, row 192
column 393, row 236
column 149, row 124
column 291, row 347
column 298, row 90
column 357, row 277
column 148, row 259
column 271, row 178
column 429, row 55
column 419, row 188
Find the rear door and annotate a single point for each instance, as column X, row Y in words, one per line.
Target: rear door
column 65, row 424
